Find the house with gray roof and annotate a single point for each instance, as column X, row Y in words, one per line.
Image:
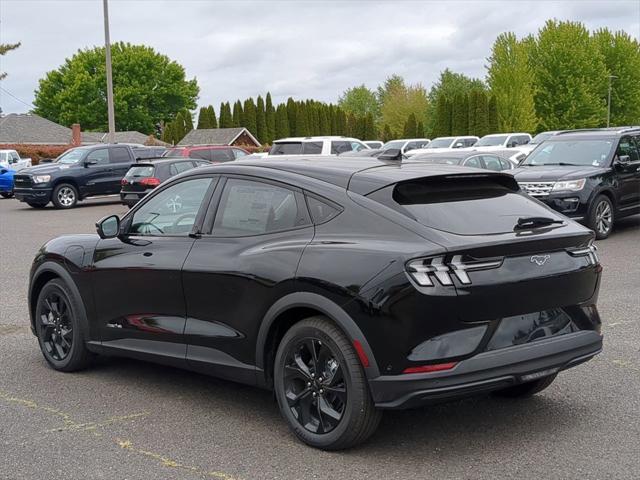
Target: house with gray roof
column 27, row 128
column 220, row 136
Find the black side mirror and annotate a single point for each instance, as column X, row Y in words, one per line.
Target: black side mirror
column 108, row 227
column 392, row 154
column 90, row 162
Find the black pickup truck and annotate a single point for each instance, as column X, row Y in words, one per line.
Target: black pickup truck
column 75, row 175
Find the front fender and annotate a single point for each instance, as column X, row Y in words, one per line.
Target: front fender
column 328, row 308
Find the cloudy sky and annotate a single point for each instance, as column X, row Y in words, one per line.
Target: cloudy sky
column 304, row 49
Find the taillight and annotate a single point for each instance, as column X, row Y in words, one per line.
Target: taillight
column 124, row 181
column 590, row 252
column 150, row 182
column 423, row 270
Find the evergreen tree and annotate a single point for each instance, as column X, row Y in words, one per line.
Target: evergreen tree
column 261, row 121
column 270, row 119
column 341, row 122
column 482, row 116
column 212, row 117
column 281, row 126
column 493, row 125
column 420, row 131
column 442, row 124
column 250, row 116
column 292, row 110
column 459, row 115
column 302, row 127
column 203, row 118
column 238, row 115
column 222, row 120
column 325, row 126
column 473, row 105
column 410, row 127
column 333, row 120
column 188, row 121
column 386, row 134
column 370, row 132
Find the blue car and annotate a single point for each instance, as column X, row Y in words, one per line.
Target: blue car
column 6, row 182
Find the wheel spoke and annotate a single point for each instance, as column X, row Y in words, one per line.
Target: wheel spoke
column 299, row 370
column 321, row 426
column 60, row 350
column 339, row 392
column 294, row 398
column 328, row 410
column 336, row 377
column 310, row 344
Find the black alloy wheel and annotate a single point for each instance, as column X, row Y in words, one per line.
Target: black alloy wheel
column 58, row 327
column 315, row 389
column 322, row 388
column 602, row 217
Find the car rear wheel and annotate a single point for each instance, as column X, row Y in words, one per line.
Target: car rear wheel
column 65, row 196
column 59, row 328
column 601, row 217
column 321, row 387
column 526, row 389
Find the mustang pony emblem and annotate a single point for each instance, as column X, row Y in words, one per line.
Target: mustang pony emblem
column 539, row 259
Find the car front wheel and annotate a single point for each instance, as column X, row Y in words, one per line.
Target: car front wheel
column 601, row 217
column 321, row 387
column 65, row 196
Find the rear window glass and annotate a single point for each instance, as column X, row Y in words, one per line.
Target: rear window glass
column 286, row 148
column 321, row 212
column 464, row 206
column 140, row 171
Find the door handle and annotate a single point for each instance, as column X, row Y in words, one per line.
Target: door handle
column 147, row 254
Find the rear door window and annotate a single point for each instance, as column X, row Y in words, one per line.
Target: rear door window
column 201, row 153
column 222, row 155
column 340, row 146
column 312, row 148
column 286, row 148
column 119, row 155
column 179, row 167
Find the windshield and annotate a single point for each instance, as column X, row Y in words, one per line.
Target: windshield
column 394, row 144
column 444, row 142
column 572, row 152
column 71, row 156
column 491, row 141
column 541, row 137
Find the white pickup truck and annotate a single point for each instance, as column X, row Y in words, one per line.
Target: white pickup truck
column 11, row 160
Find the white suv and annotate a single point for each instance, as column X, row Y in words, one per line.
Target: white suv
column 445, row 144
column 316, row 146
column 501, row 140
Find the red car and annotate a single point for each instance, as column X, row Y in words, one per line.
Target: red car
column 211, row 153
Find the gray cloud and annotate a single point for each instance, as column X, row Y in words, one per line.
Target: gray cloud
column 304, row 49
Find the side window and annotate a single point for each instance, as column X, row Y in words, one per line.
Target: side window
column 506, row 164
column 238, row 153
column 340, row 147
column 411, row 146
column 628, row 147
column 203, row 154
column 470, row 142
column 14, row 157
column 119, row 155
column 492, row 163
column 179, row 167
column 100, row 156
column 249, row 207
column 172, row 211
column 222, row 155
column 473, row 162
column 321, row 212
column 357, row 146
column 312, row 148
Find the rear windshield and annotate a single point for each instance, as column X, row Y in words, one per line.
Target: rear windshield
column 286, row 148
column 464, row 206
column 140, row 171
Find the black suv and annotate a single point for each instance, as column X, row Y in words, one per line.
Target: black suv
column 347, row 285
column 76, row 174
column 592, row 176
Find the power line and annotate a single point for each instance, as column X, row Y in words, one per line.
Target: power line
column 16, row 98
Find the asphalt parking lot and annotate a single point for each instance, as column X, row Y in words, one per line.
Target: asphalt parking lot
column 124, row 419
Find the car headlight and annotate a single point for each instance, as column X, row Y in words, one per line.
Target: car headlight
column 41, row 178
column 570, row 185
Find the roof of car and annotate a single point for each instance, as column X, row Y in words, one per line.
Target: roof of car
column 361, row 175
column 311, row 139
column 506, row 133
column 466, row 154
column 203, row 147
column 593, row 133
column 157, row 160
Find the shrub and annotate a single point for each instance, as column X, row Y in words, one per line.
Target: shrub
column 37, row 152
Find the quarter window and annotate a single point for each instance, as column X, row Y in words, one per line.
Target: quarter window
column 473, row 162
column 255, row 208
column 340, row 147
column 492, row 163
column 321, row 212
column 172, row 211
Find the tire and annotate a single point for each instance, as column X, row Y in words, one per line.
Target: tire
column 60, row 321
column 36, row 205
column 601, row 217
column 527, row 389
column 6, row 194
column 349, row 415
column 64, row 196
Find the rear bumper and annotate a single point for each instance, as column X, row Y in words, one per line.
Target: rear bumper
column 33, row 195
column 486, row 371
column 131, row 198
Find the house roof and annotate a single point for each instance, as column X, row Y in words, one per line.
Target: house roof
column 30, row 128
column 216, row 136
column 131, row 136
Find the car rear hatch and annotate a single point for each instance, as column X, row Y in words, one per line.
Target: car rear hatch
column 140, row 178
column 507, row 254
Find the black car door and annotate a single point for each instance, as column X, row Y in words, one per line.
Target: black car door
column 97, row 174
column 627, row 169
column 137, row 282
column 235, row 273
column 120, row 160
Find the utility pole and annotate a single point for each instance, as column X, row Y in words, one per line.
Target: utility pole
column 611, row 77
column 107, row 45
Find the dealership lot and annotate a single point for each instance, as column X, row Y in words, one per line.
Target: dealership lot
column 126, row 419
